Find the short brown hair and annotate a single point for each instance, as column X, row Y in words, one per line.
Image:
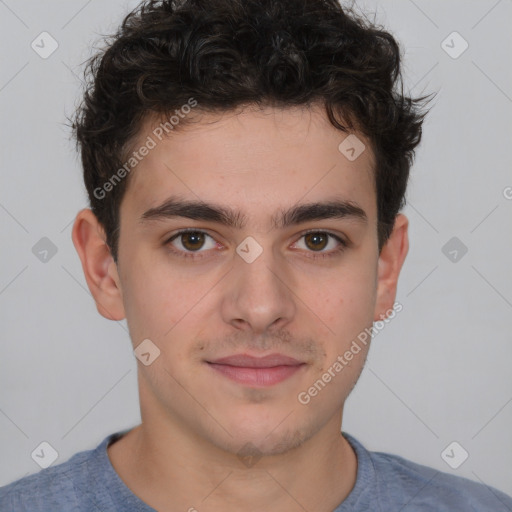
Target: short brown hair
column 228, row 53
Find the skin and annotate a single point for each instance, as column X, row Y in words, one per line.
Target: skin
column 196, row 423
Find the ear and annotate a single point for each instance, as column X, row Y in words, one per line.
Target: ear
column 99, row 267
column 390, row 263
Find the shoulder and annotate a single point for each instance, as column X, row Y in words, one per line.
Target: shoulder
column 425, row 488
column 62, row 487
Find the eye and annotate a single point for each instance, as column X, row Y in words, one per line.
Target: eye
column 191, row 241
column 322, row 242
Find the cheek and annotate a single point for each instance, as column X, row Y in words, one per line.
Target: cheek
column 160, row 299
column 149, row 297
column 346, row 300
column 346, row 306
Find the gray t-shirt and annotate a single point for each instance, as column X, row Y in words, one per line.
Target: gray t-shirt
column 385, row 483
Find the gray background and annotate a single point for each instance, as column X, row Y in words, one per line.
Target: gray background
column 439, row 372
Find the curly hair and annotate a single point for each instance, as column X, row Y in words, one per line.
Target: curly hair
column 229, row 53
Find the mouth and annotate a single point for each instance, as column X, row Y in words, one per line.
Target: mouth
column 257, row 371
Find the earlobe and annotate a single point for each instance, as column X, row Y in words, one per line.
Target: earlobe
column 390, row 263
column 98, row 265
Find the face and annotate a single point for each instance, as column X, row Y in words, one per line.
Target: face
column 277, row 275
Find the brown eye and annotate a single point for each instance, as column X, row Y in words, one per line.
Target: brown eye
column 193, row 240
column 321, row 244
column 316, row 241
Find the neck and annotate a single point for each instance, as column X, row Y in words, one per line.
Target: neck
column 170, row 469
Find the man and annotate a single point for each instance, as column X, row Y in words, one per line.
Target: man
column 246, row 163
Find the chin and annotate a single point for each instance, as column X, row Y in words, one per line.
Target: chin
column 264, row 438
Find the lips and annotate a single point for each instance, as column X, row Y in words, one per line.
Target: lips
column 257, row 371
column 246, row 361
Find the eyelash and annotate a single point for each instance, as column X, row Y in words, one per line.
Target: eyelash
column 198, row 255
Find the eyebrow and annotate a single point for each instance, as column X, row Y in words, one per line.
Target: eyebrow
column 199, row 210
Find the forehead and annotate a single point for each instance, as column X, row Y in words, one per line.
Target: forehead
column 253, row 159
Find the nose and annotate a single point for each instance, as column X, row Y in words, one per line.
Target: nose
column 259, row 296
